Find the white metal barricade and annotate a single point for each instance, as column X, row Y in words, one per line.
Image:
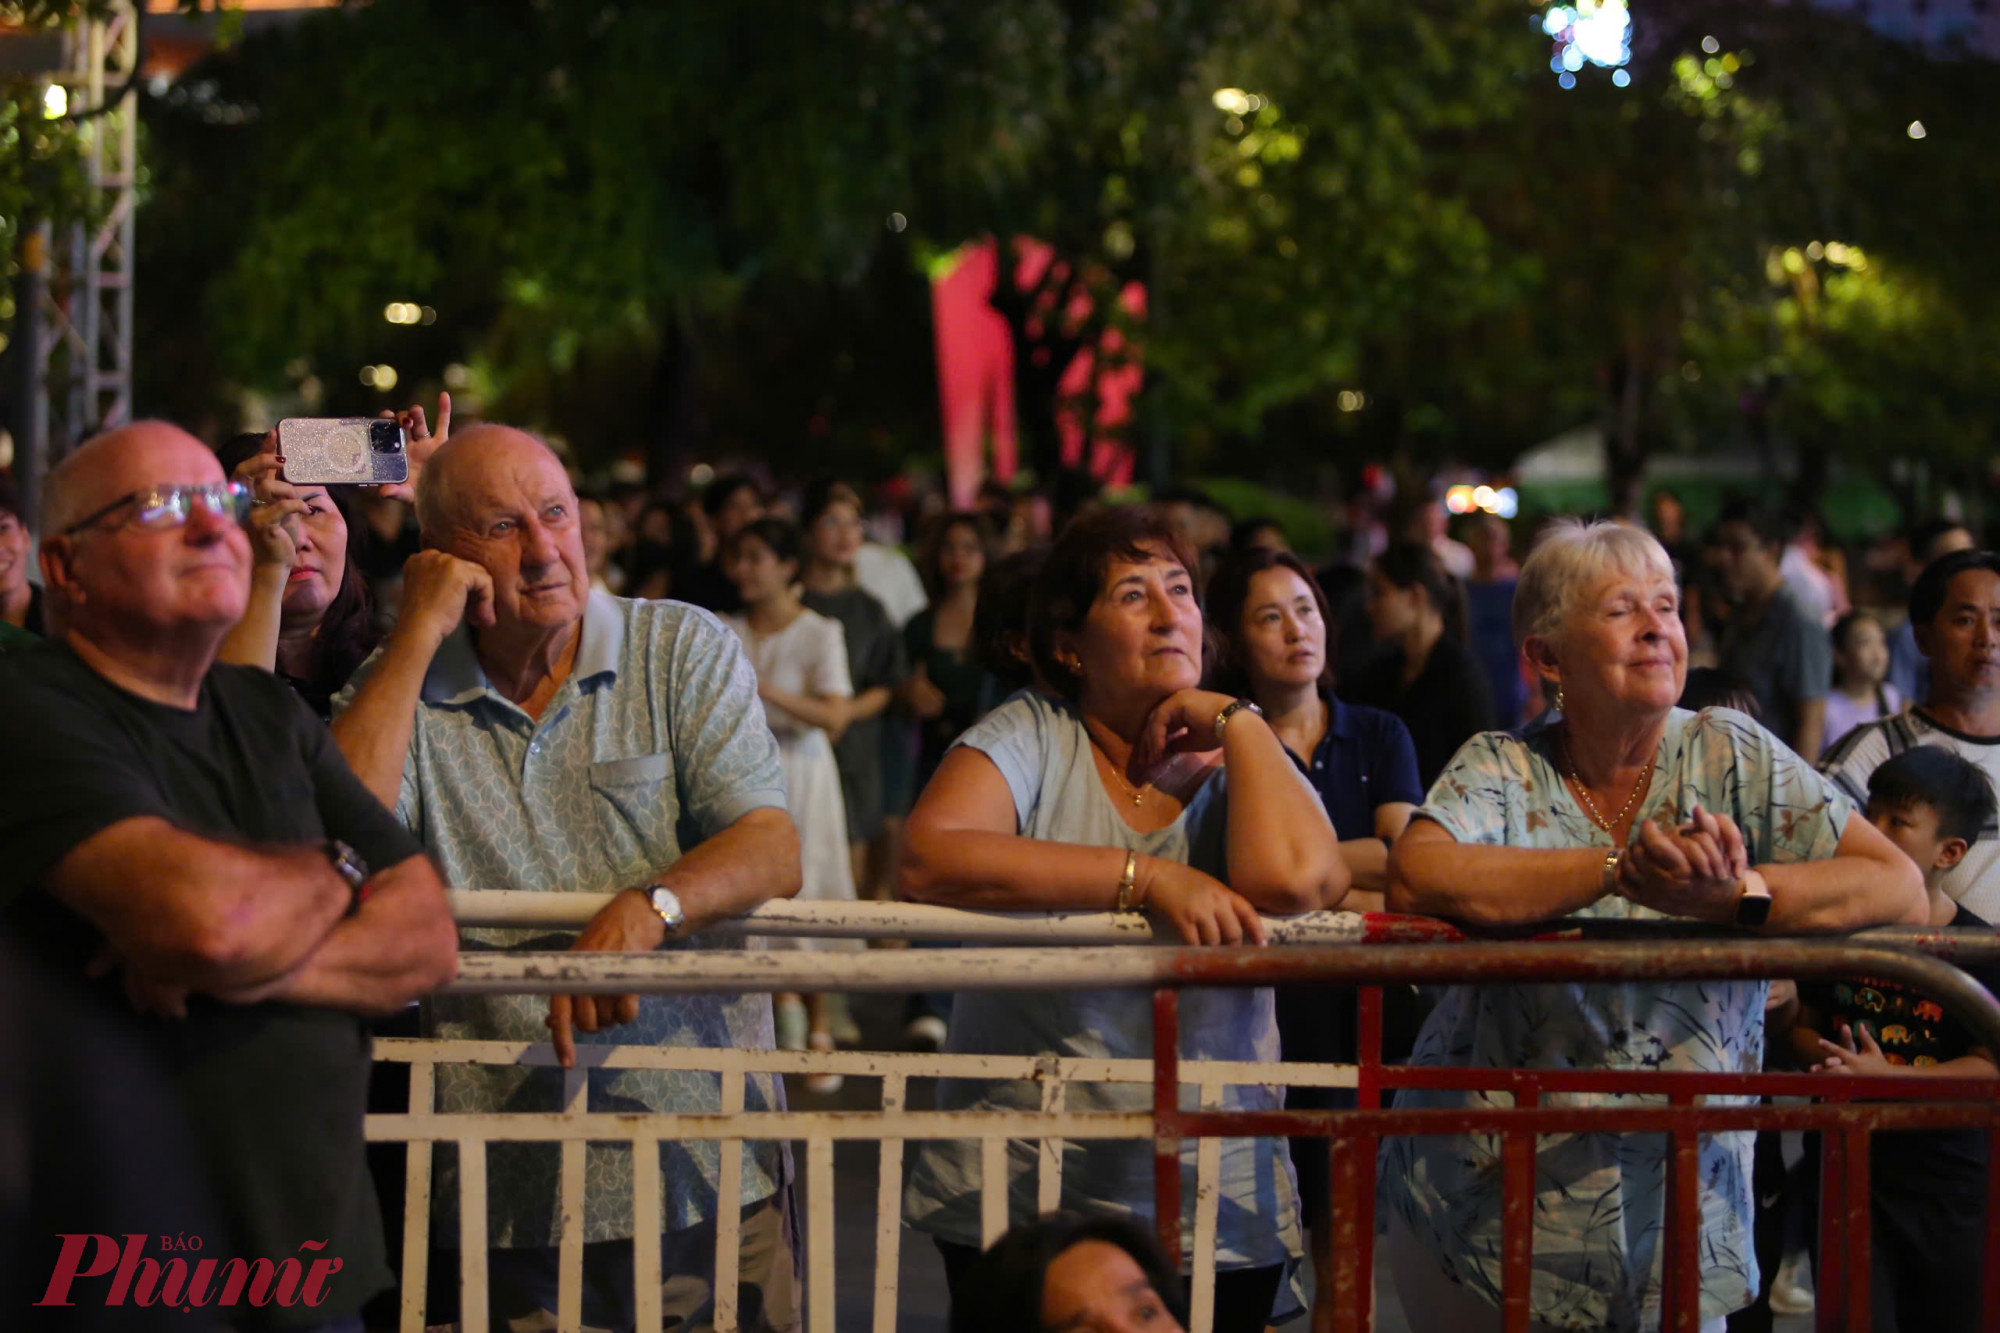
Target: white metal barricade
column 1072, row 954
column 890, row 1126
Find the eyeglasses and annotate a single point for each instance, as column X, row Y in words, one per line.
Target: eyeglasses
column 163, row 507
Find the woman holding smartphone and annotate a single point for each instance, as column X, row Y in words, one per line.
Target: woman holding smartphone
column 310, row 617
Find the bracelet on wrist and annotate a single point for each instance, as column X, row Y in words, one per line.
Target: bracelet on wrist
column 1128, row 884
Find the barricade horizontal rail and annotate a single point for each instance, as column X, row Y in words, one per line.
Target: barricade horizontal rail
column 1672, row 1102
column 694, row 971
column 923, row 922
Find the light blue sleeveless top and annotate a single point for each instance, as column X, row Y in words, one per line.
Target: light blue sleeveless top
column 1040, row 747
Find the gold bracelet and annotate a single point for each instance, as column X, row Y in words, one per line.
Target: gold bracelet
column 1611, row 871
column 1128, row 883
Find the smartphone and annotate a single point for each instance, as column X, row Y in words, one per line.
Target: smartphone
column 343, row 451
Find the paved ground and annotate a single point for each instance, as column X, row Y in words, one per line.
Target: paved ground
column 922, row 1303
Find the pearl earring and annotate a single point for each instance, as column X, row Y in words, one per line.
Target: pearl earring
column 1559, row 697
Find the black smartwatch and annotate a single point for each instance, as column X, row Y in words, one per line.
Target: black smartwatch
column 1753, row 909
column 350, row 867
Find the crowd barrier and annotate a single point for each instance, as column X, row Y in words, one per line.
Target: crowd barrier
column 1095, row 950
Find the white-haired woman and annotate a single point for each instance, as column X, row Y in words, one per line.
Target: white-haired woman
column 1623, row 807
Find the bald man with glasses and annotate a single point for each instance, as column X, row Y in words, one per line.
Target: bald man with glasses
column 189, row 832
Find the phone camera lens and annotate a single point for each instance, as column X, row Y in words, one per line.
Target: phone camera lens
column 385, row 437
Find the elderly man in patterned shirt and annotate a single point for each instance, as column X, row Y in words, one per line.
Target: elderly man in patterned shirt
column 537, row 735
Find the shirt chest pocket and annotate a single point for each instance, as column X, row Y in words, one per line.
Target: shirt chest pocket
column 636, row 807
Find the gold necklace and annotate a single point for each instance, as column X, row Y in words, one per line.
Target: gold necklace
column 1583, row 792
column 1137, row 794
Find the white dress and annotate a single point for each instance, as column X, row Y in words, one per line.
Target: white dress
column 809, row 657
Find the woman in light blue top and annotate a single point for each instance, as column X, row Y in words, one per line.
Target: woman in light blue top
column 1624, row 806
column 1123, row 785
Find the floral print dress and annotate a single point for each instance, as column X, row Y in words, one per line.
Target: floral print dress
column 1599, row 1198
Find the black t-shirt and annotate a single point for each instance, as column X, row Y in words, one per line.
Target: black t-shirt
column 92, row 1141
column 707, row 587
column 1444, row 707
column 275, row 1093
column 874, row 659
column 1912, row 1029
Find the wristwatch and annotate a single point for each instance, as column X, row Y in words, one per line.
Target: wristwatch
column 1753, row 906
column 668, row 904
column 349, row 866
column 1231, row 709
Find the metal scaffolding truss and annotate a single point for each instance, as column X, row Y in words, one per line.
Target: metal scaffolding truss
column 85, row 350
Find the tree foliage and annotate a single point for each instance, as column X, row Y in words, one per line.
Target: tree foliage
column 1377, row 227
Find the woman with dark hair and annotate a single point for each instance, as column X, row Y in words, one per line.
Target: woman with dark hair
column 1000, row 624
column 1426, row 675
column 1069, row 1271
column 652, row 569
column 728, row 505
column 20, row 600
column 831, row 520
column 801, row 663
column 1272, row 621
column 1272, row 617
column 1122, row 785
column 310, row 618
column 946, row 687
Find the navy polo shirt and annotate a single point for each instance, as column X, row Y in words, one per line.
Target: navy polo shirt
column 1365, row 760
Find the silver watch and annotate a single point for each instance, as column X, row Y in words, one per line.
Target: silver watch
column 1231, row 709
column 668, row 904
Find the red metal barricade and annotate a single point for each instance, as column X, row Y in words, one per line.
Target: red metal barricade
column 1848, row 1111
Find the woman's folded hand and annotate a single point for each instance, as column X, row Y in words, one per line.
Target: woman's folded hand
column 1202, row 908
column 1695, row 870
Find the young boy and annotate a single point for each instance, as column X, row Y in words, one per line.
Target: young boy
column 1928, row 1187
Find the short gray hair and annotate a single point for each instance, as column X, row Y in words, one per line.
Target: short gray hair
column 1571, row 556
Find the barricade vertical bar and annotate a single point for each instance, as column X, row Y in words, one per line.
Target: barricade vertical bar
column 1854, row 1203
column 646, row 1221
column 417, row 1203
column 1166, row 1119
column 1207, row 1203
column 1048, row 1184
column 1517, row 1223
column 1830, row 1301
column 1989, row 1311
column 1353, row 1203
column 889, row 1210
column 819, row 1242
column 569, row 1257
column 472, row 1233
column 1353, row 1235
column 1368, row 1064
column 993, row 1186
column 1680, row 1303
column 729, row 1206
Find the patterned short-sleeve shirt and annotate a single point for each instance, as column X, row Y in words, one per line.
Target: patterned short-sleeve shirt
column 656, row 741
column 1599, row 1198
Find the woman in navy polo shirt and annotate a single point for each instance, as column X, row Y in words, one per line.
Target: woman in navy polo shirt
column 1272, row 619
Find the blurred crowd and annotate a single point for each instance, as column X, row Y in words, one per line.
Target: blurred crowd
column 259, row 726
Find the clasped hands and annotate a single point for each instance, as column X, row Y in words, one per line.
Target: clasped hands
column 1693, row 870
